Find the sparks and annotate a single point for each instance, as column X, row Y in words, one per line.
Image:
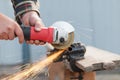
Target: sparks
column 34, row 69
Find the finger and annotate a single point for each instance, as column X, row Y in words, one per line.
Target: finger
column 11, row 34
column 19, row 33
column 25, row 20
column 1, row 36
column 28, row 42
column 42, row 43
column 38, row 26
column 5, row 36
column 36, row 42
column 31, row 41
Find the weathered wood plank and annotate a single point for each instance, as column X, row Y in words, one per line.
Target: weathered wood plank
column 97, row 59
column 59, row 71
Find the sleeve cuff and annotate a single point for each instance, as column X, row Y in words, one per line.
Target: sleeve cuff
column 25, row 6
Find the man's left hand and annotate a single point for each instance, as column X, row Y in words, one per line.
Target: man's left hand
column 32, row 19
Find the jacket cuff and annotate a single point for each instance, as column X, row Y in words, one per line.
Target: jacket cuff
column 23, row 6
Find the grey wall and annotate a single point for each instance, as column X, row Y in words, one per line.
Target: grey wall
column 97, row 23
column 106, row 22
column 77, row 12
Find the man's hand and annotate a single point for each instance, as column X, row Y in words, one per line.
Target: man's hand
column 8, row 29
column 32, row 19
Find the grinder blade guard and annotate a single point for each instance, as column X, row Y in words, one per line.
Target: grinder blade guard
column 65, row 35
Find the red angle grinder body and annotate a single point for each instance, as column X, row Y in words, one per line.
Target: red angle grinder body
column 45, row 34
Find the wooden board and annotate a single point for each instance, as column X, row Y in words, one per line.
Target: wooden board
column 97, row 59
column 58, row 70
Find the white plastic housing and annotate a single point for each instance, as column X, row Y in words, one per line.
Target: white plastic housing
column 63, row 28
column 64, row 25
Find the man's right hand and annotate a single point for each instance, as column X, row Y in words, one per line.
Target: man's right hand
column 9, row 28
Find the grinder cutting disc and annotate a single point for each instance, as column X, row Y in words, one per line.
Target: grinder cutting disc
column 67, row 43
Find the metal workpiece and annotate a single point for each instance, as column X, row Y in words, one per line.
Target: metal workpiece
column 75, row 52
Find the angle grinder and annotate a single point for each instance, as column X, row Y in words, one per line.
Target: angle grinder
column 60, row 35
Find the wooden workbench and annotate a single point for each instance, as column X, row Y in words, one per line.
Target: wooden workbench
column 95, row 59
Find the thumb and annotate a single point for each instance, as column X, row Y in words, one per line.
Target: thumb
column 38, row 25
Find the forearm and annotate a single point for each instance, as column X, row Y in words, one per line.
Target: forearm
column 23, row 6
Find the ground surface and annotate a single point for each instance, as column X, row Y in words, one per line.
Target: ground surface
column 108, row 75
column 103, row 75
